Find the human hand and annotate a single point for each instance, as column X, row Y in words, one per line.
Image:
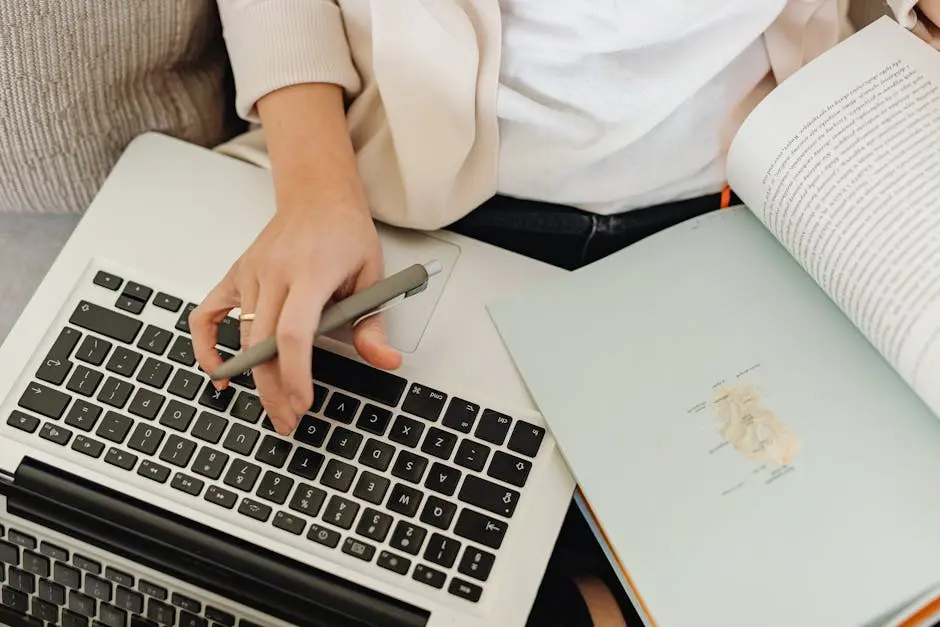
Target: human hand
column 928, row 24
column 312, row 251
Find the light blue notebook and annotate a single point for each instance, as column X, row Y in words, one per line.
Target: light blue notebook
column 749, row 400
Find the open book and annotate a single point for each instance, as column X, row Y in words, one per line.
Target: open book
column 750, row 401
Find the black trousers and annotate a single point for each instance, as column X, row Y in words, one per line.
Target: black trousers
column 569, row 238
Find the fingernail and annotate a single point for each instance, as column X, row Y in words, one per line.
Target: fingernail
column 220, row 385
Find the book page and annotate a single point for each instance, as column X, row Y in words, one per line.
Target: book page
column 842, row 164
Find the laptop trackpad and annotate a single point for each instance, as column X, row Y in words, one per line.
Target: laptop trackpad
column 406, row 323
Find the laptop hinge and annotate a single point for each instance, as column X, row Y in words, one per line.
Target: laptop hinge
column 269, row 582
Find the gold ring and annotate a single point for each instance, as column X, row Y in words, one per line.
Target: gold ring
column 246, row 317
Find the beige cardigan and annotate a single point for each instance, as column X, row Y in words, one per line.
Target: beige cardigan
column 422, row 78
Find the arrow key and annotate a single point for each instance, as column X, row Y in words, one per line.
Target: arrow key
column 54, row 370
column 44, row 400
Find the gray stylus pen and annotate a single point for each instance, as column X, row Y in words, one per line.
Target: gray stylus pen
column 408, row 282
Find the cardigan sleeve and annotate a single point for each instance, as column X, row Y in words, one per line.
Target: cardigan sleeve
column 277, row 43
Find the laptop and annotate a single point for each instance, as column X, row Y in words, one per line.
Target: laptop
column 132, row 494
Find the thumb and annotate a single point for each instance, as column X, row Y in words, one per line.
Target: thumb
column 369, row 336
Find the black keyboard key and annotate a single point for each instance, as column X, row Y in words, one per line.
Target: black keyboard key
column 289, row 522
column 439, row 443
column 305, row 463
column 9, row 554
column 371, row 487
column 254, row 509
column 178, row 451
column 267, row 425
column 86, row 563
column 98, row 588
column 209, row 427
column 240, row 439
column 374, row 525
column 154, row 340
column 247, row 407
column 168, row 302
column 210, row 463
column 54, row 370
column 218, row 616
column 408, row 537
column 44, row 400
column 340, row 512
column 106, row 322
column 489, row 496
column 394, row 563
column 36, row 564
column 131, row 305
column 245, row 379
column 526, row 438
column 71, row 619
column 121, row 459
column 187, row 484
column 359, row 549
column 129, row 600
column 161, row 612
column 341, row 407
column 493, row 427
column 406, row 431
column 460, row 415
column 137, row 291
column 22, row 580
column 438, row 512
column 221, row 496
column 374, row 419
column 338, row 475
column 107, row 280
column 177, row 415
column 14, row 599
column 82, row 604
column 319, row 397
column 509, row 468
column 54, row 433
column 152, row 589
column 371, row 383
column 229, row 333
column 53, row 551
column 111, row 616
column 377, row 454
column 124, row 361
column 182, row 323
column 480, row 528
column 471, row 454
column 424, row 402
column 66, row 575
column 154, row 471
column 404, row 500
column 242, row 475
column 93, row 350
column 87, row 446
column 323, row 535
column 307, row 499
column 465, row 590
column 476, row 563
column 45, row 611
column 51, row 592
column 182, row 351
column 84, row 381
column 275, row 487
column 186, row 603
column 146, row 404
column 146, row 439
column 23, row 422
column 115, row 392
column 429, row 576
column 409, row 466
column 83, row 415
column 273, row 451
column 443, row 479
column 344, row 442
column 312, row 431
column 118, row 576
column 155, row 373
column 23, row 539
column 186, row 384
column 218, row 400
column 114, row 427
column 442, row 550
column 65, row 343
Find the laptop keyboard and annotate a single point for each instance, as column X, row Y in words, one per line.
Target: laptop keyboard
column 419, row 483
column 47, row 584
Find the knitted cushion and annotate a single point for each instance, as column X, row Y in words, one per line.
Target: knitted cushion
column 80, row 78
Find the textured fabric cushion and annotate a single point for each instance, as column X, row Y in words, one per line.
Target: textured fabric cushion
column 80, row 78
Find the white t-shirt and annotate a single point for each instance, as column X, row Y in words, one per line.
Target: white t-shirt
column 611, row 105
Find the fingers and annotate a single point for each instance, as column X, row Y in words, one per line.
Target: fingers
column 205, row 318
column 267, row 376
column 295, row 334
column 931, row 10
column 249, row 301
column 369, row 336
